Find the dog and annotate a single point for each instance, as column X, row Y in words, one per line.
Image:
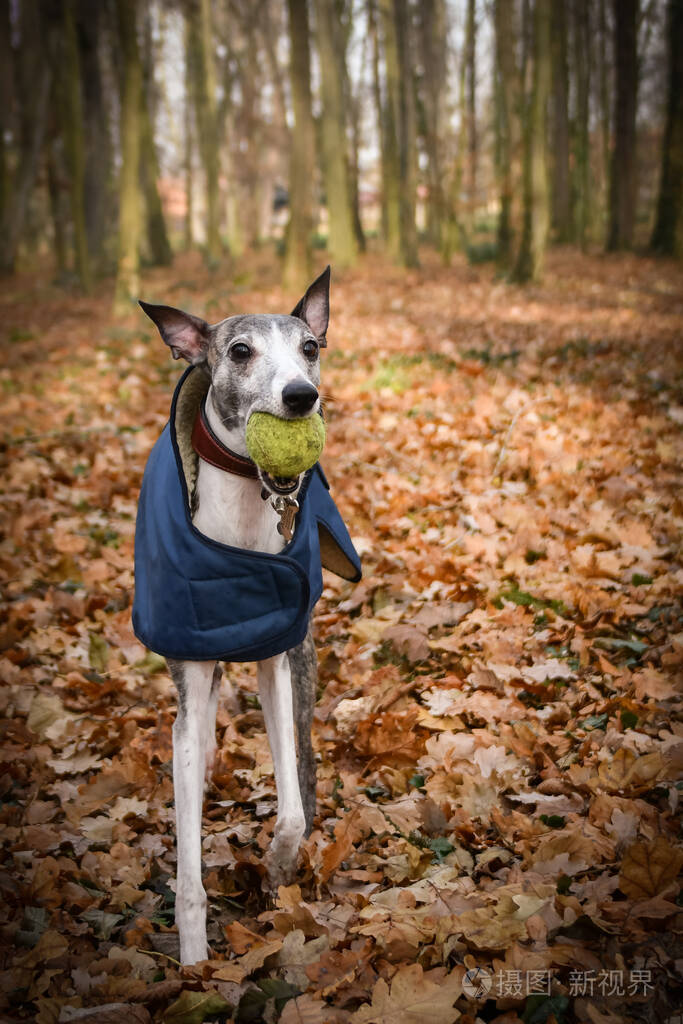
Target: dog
column 227, row 565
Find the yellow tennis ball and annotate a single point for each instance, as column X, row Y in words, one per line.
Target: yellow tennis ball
column 284, row 448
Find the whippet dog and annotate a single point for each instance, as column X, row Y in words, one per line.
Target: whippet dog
column 200, row 484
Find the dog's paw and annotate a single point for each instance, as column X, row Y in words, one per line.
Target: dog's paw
column 278, row 872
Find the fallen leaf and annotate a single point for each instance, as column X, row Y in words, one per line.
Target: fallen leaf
column 412, row 998
column 648, row 868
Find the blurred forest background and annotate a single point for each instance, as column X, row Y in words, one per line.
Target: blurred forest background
column 132, row 130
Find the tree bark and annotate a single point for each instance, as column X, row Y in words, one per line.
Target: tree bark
column 529, row 264
column 668, row 230
column 604, row 114
column 380, row 115
column 455, row 234
column 342, row 243
column 158, row 245
column 128, row 270
column 562, row 209
column 7, row 91
column 623, row 184
column 582, row 176
column 34, row 78
column 508, row 142
column 75, row 145
column 433, row 46
column 407, row 136
column 297, row 265
column 352, row 105
column 399, row 125
column 98, row 191
column 472, row 143
column 202, row 63
column 190, row 103
column 54, row 187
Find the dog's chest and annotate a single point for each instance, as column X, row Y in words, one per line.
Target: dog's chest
column 230, row 510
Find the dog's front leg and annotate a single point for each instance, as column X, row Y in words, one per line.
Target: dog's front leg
column 275, row 690
column 194, row 681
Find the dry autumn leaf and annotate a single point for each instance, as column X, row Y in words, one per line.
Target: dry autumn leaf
column 412, row 997
column 648, row 868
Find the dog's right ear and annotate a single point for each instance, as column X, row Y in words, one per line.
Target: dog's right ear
column 186, row 335
column 314, row 308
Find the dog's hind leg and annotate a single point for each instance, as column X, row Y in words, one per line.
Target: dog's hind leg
column 194, row 682
column 303, row 663
column 210, row 721
column 275, row 691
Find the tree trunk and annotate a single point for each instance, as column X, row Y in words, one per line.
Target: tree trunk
column 562, row 210
column 75, row 145
column 160, row 252
column 98, row 197
column 352, row 105
column 668, row 229
column 471, row 78
column 297, row 266
column 604, row 115
column 6, row 91
column 341, row 238
column 399, row 124
column 455, row 234
column 582, row 176
column 54, row 187
column 508, row 98
column 190, row 103
column 407, row 136
column 158, row 245
column 380, row 115
column 623, row 184
column 433, row 46
column 127, row 276
column 536, row 213
column 34, row 78
column 202, row 63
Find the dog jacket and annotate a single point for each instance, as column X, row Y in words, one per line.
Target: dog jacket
column 197, row 599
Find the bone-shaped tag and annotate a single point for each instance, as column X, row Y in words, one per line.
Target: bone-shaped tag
column 287, row 509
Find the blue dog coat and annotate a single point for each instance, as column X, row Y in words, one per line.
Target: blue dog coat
column 197, row 599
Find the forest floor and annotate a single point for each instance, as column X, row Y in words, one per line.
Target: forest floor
column 498, row 725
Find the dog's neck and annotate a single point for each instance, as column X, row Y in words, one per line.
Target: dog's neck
column 230, row 508
column 232, row 439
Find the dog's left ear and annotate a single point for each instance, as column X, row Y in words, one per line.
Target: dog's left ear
column 314, row 308
column 185, row 334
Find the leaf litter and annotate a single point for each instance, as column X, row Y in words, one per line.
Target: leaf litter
column 498, row 726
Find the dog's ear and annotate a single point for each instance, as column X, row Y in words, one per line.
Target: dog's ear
column 314, row 308
column 186, row 335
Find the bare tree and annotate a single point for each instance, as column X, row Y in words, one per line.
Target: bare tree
column 342, row 242
column 529, row 263
column 127, row 275
column 667, row 236
column 508, row 130
column 297, row 267
column 623, row 184
column 561, row 194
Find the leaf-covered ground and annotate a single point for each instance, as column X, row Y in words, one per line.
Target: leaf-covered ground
column 498, row 723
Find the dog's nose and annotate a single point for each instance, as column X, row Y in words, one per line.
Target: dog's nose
column 299, row 396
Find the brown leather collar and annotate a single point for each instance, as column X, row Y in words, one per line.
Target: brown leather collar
column 209, row 448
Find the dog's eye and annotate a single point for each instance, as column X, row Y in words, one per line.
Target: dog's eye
column 240, row 352
column 310, row 348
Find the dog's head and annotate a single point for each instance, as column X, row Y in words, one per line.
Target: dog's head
column 263, row 363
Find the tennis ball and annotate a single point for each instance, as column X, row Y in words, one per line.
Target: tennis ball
column 284, row 448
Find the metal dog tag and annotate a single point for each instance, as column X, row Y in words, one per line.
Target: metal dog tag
column 287, row 509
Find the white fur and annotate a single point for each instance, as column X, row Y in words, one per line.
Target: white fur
column 232, row 511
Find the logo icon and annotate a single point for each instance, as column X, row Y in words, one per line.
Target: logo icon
column 477, row 983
